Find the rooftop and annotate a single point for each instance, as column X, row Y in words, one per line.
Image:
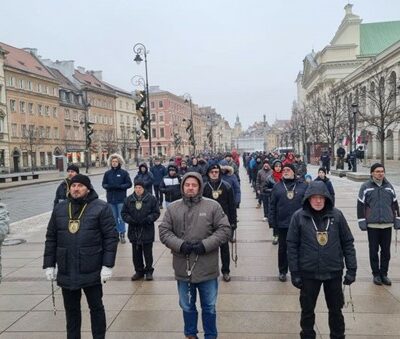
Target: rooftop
column 377, row 36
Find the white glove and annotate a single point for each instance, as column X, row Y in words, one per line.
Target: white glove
column 105, row 274
column 50, row 273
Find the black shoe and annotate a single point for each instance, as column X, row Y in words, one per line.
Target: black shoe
column 386, row 281
column 137, row 276
column 282, row 277
column 161, row 207
column 377, row 280
column 122, row 238
column 226, row 277
column 148, row 276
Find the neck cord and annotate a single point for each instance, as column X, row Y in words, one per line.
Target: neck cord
column 70, row 211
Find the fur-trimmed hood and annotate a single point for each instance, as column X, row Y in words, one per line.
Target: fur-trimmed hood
column 118, row 156
column 227, row 169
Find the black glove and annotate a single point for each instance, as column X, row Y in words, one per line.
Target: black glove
column 297, row 281
column 198, row 247
column 238, row 205
column 349, row 279
column 186, row 248
column 234, row 226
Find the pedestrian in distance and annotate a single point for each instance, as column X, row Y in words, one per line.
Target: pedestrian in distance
column 322, row 177
column 219, row 190
column 194, row 228
column 63, row 189
column 301, row 167
column 140, row 211
column 81, row 241
column 159, row 172
column 319, row 242
column 171, row 185
column 286, row 199
column 145, row 176
column 325, row 160
column 262, row 177
column 116, row 181
column 378, row 213
column 4, row 228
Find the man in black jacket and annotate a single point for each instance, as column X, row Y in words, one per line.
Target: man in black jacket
column 82, row 241
column 63, row 189
column 140, row 211
column 217, row 189
column 377, row 213
column 286, row 198
column 319, row 241
column 171, row 185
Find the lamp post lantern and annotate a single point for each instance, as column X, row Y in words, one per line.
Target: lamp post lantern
column 140, row 50
column 355, row 110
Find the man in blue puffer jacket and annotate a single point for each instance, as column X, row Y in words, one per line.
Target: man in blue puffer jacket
column 116, row 182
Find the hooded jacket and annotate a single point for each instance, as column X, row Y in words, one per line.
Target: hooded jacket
column 305, row 255
column 159, row 172
column 141, row 221
column 146, row 177
column 229, row 176
column 192, row 219
column 81, row 255
column 62, row 191
column 329, row 186
column 171, row 186
column 116, row 181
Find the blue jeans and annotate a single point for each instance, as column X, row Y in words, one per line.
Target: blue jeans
column 208, row 291
column 120, row 225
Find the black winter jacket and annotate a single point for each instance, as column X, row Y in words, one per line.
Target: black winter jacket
column 62, row 191
column 141, row 221
column 171, row 187
column 226, row 199
column 81, row 255
column 146, row 177
column 281, row 208
column 305, row 255
column 116, row 181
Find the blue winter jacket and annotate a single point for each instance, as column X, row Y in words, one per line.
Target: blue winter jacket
column 116, row 181
column 159, row 172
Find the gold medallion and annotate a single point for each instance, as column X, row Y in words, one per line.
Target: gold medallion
column 322, row 238
column 138, row 205
column 73, row 226
column 290, row 195
column 215, row 194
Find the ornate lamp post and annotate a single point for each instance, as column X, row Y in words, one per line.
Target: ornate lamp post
column 188, row 99
column 87, row 125
column 355, row 110
column 140, row 50
column 328, row 118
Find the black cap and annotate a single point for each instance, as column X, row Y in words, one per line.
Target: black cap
column 375, row 166
column 73, row 167
column 82, row 179
column 289, row 166
column 139, row 183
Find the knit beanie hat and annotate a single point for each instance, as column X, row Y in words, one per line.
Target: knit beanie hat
column 82, row 179
column 375, row 166
column 73, row 167
column 139, row 183
column 289, row 166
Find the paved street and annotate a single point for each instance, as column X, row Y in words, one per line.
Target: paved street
column 253, row 305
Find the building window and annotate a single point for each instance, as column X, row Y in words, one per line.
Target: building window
column 24, row 132
column 22, row 106
column 162, row 132
column 161, row 117
column 46, row 89
column 40, row 109
column 49, row 158
column 55, row 133
column 21, row 83
column 67, row 116
column 120, row 104
column 30, row 85
column 14, row 130
column 48, row 129
column 1, row 124
column 153, row 133
column 39, row 88
column 127, row 105
column 75, row 115
column 12, row 105
column 55, row 114
column 152, row 104
column 153, row 117
column 30, row 108
column 10, row 81
column 47, row 111
column 160, row 104
column 55, row 92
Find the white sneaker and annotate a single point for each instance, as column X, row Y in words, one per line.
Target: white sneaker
column 265, row 219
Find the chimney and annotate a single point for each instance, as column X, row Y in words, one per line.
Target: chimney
column 81, row 69
column 348, row 9
column 97, row 74
column 33, row 51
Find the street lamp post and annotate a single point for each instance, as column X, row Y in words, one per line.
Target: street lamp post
column 188, row 99
column 303, row 130
column 264, row 134
column 355, row 110
column 328, row 118
column 139, row 49
column 87, row 125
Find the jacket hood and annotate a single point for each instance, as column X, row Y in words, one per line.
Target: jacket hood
column 143, row 165
column 227, row 169
column 199, row 179
column 172, row 166
column 317, row 188
column 118, row 156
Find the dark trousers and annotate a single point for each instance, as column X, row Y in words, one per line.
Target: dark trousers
column 72, row 305
column 140, row 251
column 225, row 257
column 265, row 201
column 282, row 250
column 379, row 238
column 334, row 300
column 158, row 194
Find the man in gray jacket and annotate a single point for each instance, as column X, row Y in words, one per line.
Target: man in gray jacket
column 194, row 228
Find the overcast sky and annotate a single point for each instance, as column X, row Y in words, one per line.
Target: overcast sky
column 240, row 57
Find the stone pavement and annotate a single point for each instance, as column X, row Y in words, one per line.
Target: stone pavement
column 253, row 305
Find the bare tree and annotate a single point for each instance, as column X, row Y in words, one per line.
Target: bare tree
column 108, row 141
column 32, row 140
column 378, row 105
